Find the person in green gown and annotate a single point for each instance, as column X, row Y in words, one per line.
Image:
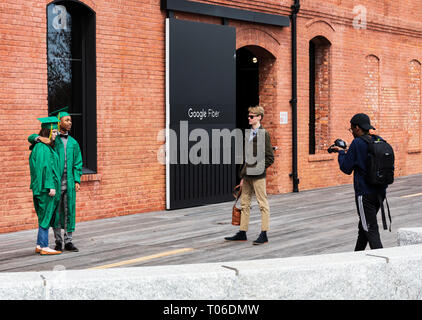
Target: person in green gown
column 45, row 183
column 70, row 168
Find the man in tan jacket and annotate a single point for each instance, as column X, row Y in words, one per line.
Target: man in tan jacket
column 258, row 157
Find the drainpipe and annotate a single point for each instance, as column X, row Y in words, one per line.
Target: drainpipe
column 294, row 175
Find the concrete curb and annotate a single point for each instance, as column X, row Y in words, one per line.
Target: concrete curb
column 392, row 273
column 407, row 236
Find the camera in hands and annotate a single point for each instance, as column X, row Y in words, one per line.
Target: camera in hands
column 338, row 143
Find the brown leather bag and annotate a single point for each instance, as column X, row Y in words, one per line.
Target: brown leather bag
column 236, row 212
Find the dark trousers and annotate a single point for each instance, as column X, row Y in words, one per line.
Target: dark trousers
column 368, row 206
column 64, row 214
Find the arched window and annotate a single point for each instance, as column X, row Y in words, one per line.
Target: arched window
column 319, row 94
column 71, row 67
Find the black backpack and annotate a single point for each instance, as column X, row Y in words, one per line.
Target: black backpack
column 380, row 168
column 380, row 162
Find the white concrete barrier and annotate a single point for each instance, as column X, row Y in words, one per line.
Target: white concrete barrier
column 406, row 236
column 392, row 273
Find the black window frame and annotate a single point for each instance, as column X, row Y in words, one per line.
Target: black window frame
column 314, row 44
column 88, row 88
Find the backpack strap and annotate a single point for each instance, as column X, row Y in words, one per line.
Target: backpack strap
column 384, row 220
column 367, row 138
column 388, row 208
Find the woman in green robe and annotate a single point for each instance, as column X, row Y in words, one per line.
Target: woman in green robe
column 70, row 168
column 45, row 183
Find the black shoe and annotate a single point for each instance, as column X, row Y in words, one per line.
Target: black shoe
column 70, row 247
column 262, row 238
column 240, row 236
column 59, row 246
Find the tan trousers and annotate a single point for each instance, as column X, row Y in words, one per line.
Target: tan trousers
column 258, row 186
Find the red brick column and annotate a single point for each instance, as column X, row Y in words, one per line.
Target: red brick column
column 414, row 109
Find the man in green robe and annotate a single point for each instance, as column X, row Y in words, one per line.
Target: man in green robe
column 45, row 183
column 70, row 166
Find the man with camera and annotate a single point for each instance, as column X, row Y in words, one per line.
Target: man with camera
column 369, row 197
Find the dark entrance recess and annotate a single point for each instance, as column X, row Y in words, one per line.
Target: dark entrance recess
column 247, row 85
column 201, row 72
column 247, row 88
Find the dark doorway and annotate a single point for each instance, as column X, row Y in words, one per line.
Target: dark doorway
column 247, row 85
column 247, row 88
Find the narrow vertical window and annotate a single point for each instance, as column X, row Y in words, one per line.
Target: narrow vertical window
column 319, row 94
column 311, row 97
column 71, row 68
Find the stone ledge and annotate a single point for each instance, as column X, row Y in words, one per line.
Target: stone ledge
column 414, row 151
column 91, row 177
column 321, row 157
column 392, row 273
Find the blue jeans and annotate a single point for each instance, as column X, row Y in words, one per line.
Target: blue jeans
column 42, row 239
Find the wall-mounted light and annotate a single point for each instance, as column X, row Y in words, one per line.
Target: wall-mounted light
column 254, row 60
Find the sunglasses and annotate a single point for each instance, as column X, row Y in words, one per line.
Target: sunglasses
column 251, row 116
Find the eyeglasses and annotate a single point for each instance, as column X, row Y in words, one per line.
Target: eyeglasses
column 251, row 116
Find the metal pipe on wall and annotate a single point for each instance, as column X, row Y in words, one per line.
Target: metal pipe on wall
column 294, row 175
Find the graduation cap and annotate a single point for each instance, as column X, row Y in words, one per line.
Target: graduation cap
column 49, row 123
column 63, row 112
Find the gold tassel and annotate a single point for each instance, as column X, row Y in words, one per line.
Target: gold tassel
column 51, row 130
column 58, row 123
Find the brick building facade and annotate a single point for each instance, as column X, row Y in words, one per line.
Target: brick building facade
column 365, row 56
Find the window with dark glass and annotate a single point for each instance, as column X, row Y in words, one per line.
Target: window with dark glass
column 71, row 67
column 319, row 94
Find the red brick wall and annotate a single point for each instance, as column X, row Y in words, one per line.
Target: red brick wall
column 374, row 70
column 23, row 98
column 130, row 109
column 370, row 73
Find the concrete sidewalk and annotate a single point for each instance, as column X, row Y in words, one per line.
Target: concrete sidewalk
column 383, row 274
column 306, row 223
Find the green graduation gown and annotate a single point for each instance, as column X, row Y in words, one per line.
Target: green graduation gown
column 45, row 175
column 74, row 173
